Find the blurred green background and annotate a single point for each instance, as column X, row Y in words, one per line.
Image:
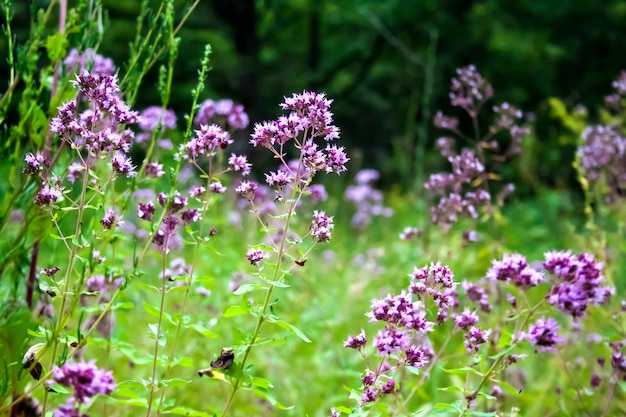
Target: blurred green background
column 388, row 64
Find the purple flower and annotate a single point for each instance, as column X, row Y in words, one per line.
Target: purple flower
column 416, row 356
column 217, row 187
column 154, row 116
column 579, row 283
column 48, row 195
column 255, row 256
column 474, row 338
column 370, row 394
column 207, row 140
column 75, row 172
column 239, row 164
column 145, row 211
column 190, row 216
column 603, row 150
column 391, row 340
column 514, row 269
column 544, row 334
column 85, row 378
column 466, row 319
column 469, row 90
column 388, row 387
column 356, row 342
column 35, row 163
column 445, row 122
column 247, row 189
column 198, row 191
column 154, row 170
column 317, row 193
column 477, row 294
column 409, row 233
column 278, row 179
column 321, row 226
column 336, row 159
column 122, row 165
column 110, row 219
column 75, row 61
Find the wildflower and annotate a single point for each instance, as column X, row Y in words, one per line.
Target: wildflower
column 278, row 179
column 35, row 163
column 47, row 195
column 255, row 256
column 75, row 172
column 317, row 193
column 247, row 189
column 86, row 379
column 388, row 387
column 466, row 319
column 409, row 233
column 415, row 356
column 122, row 165
column 264, row 135
column 217, row 187
column 145, row 211
column 475, row 337
column 110, row 219
column 514, row 269
column 321, row 226
column 477, row 294
column 154, row 116
column 603, row 150
column 154, row 170
column 198, row 191
column 469, row 90
column 190, row 216
column 367, row 200
column 356, row 342
column 50, row 271
column 445, row 122
column 544, row 334
column 207, row 140
column 579, row 282
column 391, row 340
column 336, row 159
column 370, row 394
column 239, row 163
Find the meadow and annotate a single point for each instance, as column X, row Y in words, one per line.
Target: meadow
column 147, row 267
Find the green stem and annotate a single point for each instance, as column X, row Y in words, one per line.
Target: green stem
column 158, row 334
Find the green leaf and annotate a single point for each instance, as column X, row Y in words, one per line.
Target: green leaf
column 444, row 407
column 450, row 389
column 505, row 340
column 186, row 411
column 174, row 382
column 463, row 371
column 246, row 288
column 483, row 413
column 125, row 305
column 203, row 330
column 292, row 329
column 235, row 311
column 265, row 395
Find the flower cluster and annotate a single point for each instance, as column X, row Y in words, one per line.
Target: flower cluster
column 578, row 283
column 464, row 191
column 152, row 118
column 367, row 200
column 225, row 113
column 544, row 334
column 76, row 62
column 176, row 213
column 603, row 153
column 436, row 282
column 514, row 269
column 406, row 321
column 86, row 380
column 309, row 115
column 613, row 101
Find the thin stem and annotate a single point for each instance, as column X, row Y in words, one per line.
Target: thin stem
column 571, row 378
column 611, row 394
column 158, row 333
column 68, row 275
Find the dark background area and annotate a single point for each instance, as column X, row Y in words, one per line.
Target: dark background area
column 387, row 64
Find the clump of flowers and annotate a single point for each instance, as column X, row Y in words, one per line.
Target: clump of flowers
column 225, row 113
column 578, row 282
column 367, row 199
column 403, row 342
column 153, row 118
column 465, row 191
column 76, row 61
column 86, row 380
